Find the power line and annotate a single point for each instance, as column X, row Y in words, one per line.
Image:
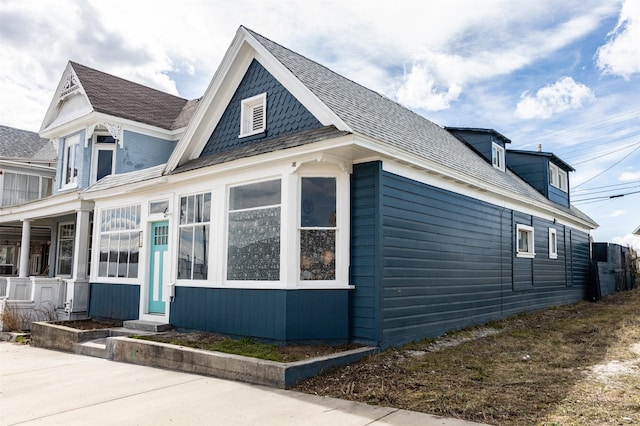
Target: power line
column 606, row 190
column 610, row 167
column 608, row 186
column 605, row 197
column 604, row 155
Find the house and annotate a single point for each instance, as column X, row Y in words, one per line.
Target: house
column 99, row 125
column 298, row 205
column 27, row 171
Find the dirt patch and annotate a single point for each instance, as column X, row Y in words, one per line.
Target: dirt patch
column 571, row 365
column 89, row 324
column 249, row 347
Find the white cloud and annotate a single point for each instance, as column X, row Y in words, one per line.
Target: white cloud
column 628, row 240
column 563, row 95
column 617, row 213
column 627, row 176
column 621, row 55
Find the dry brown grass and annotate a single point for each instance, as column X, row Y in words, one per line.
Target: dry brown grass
column 571, row 365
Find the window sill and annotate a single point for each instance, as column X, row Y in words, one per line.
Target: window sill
column 526, row 255
column 257, row 134
column 553, row 256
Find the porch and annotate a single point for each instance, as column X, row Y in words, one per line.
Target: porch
column 24, row 300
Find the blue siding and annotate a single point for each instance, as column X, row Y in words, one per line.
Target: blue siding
column 482, row 142
column 285, row 114
column 533, row 169
column 141, row 151
column 114, row 301
column 280, row 315
column 365, row 252
column 448, row 261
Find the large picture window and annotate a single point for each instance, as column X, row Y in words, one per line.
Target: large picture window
column 193, row 246
column 253, row 247
column 318, row 229
column 119, row 242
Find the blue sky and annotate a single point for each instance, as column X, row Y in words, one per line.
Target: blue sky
column 565, row 75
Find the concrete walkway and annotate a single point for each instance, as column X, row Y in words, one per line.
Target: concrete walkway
column 39, row 386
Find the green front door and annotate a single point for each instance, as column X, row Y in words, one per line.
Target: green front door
column 158, row 261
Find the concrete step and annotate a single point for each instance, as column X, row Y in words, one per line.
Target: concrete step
column 96, row 348
column 152, row 326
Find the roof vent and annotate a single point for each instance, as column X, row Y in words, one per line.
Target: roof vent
column 539, row 147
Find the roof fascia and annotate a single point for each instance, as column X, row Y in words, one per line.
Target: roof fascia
column 243, row 49
column 24, row 166
column 97, row 118
column 402, row 157
column 56, row 205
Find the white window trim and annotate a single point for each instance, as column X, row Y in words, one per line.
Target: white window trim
column 68, row 142
column 94, row 155
column 246, row 115
column 58, row 239
column 500, row 155
column 553, row 243
column 555, row 180
column 532, row 252
column 193, row 282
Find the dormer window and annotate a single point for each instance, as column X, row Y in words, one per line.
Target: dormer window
column 558, row 177
column 253, row 115
column 497, row 156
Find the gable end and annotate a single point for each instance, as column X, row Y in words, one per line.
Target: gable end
column 285, row 115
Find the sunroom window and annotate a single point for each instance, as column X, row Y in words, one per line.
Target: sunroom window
column 253, row 115
column 525, row 241
column 318, row 229
column 253, row 244
column 193, row 246
column 18, row 188
column 119, row 242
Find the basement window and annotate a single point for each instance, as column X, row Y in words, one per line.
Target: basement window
column 253, row 115
column 525, row 246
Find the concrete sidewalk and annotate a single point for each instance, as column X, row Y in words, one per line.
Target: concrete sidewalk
column 48, row 387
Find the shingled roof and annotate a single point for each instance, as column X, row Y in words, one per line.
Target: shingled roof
column 23, row 144
column 371, row 114
column 123, row 98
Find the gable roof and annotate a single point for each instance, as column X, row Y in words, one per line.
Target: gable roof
column 26, row 145
column 369, row 115
column 123, row 98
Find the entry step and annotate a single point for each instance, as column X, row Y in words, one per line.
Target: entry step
column 96, row 348
column 142, row 325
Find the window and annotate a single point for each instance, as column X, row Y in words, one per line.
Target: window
column 7, row 259
column 193, row 245
column 158, row 207
column 253, row 115
column 119, row 242
column 19, row 188
column 70, row 162
column 104, row 155
column 66, row 235
column 553, row 243
column 318, row 229
column 558, row 177
column 497, row 156
column 525, row 241
column 253, row 245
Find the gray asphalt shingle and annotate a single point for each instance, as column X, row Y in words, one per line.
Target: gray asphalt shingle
column 17, row 143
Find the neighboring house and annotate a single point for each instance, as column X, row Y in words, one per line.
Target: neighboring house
column 100, row 125
column 27, row 172
column 300, row 205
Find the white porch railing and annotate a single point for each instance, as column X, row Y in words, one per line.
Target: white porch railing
column 24, row 300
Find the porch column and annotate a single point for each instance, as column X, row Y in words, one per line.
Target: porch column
column 24, row 249
column 81, row 246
